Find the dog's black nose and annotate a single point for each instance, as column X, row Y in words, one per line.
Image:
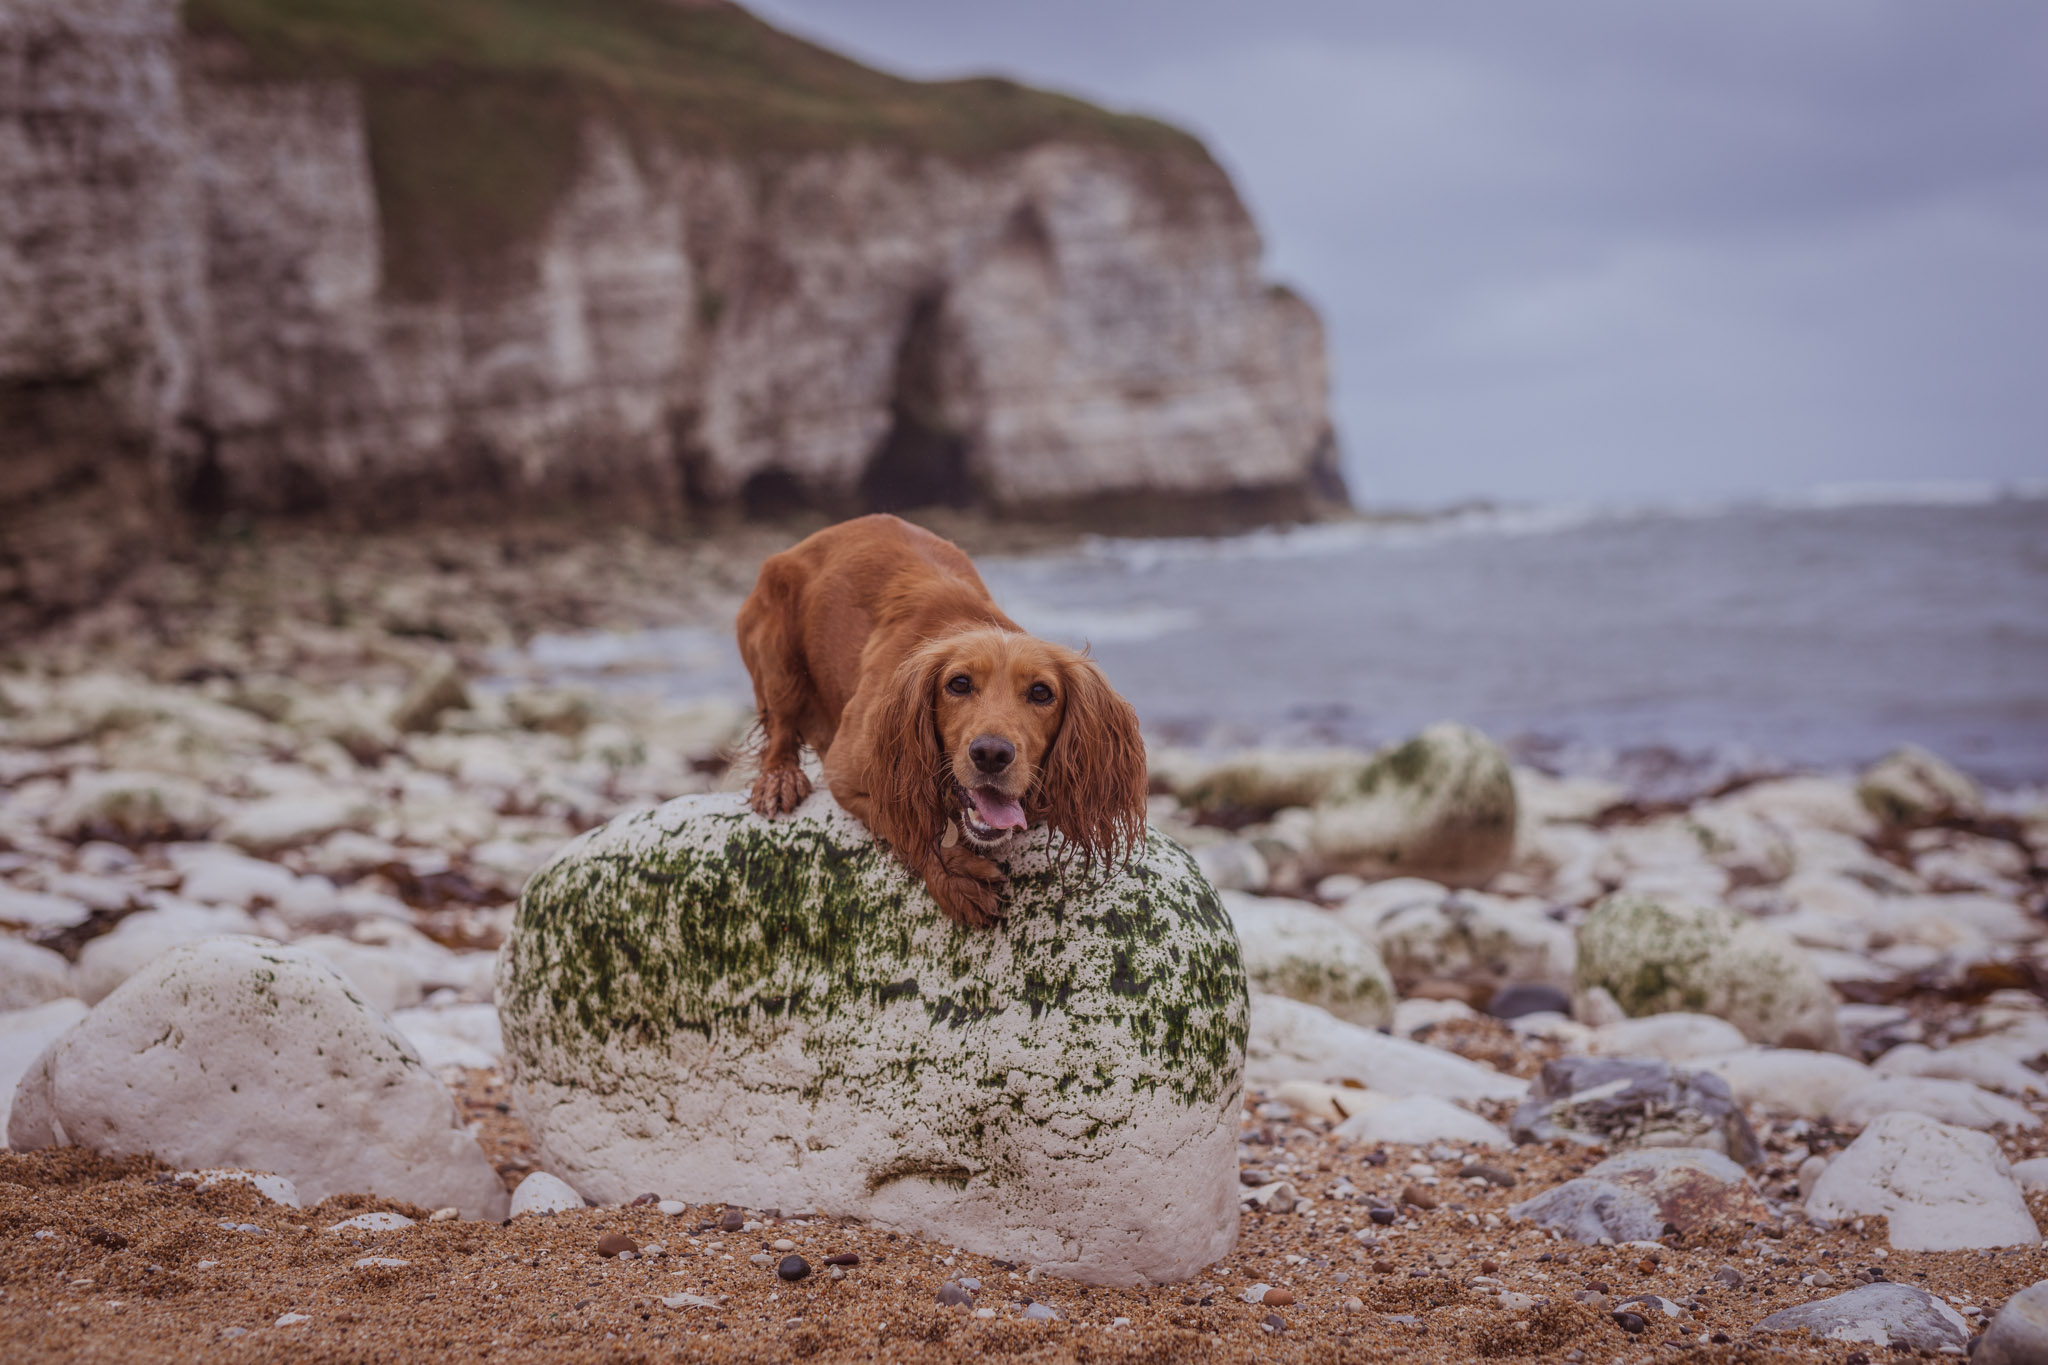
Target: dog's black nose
column 991, row 754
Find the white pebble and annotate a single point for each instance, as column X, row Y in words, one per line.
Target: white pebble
column 292, row 1319
column 782, row 1244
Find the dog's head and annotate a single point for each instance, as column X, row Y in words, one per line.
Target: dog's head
column 987, row 732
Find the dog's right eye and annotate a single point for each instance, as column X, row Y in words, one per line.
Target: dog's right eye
column 960, row 685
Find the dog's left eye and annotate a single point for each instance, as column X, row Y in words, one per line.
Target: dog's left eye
column 1040, row 693
column 960, row 685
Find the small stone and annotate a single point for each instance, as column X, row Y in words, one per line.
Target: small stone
column 955, row 1296
column 1382, row 1216
column 1273, row 1322
column 292, row 1319
column 1820, row 1279
column 1489, row 1267
column 1492, row 1175
column 372, row 1222
column 641, row 1201
column 843, row 1258
column 99, row 1236
column 1631, row 1323
column 1039, row 1312
column 1729, row 1277
column 2020, row 1331
column 1513, row 1302
column 1256, row 1293
column 672, row 1207
column 984, row 1312
column 447, row 1215
column 1277, row 1298
column 381, row 1263
column 1419, row 1197
column 732, row 1220
column 1354, row 1305
column 782, row 1244
column 793, row 1268
column 760, row 1258
column 616, row 1243
column 1514, row 1001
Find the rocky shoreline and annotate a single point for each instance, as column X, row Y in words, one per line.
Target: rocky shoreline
column 1761, row 1072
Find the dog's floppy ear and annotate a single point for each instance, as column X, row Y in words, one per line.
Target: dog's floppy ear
column 906, row 770
column 1092, row 784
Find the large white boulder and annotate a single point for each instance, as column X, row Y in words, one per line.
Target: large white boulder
column 1957, row 1102
column 1298, row 950
column 1796, row 1082
column 1942, row 1188
column 719, row 1007
column 1292, row 1041
column 1673, row 1037
column 1654, row 956
column 1421, row 1121
column 239, row 1052
column 1441, row 806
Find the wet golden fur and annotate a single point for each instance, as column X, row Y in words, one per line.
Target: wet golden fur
column 856, row 639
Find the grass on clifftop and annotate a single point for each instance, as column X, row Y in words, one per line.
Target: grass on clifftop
column 474, row 106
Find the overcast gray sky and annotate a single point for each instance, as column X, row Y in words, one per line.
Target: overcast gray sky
column 1608, row 250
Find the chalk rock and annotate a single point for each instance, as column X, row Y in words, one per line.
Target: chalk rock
column 216, row 875
column 1655, row 956
column 2019, row 1334
column 1911, row 786
column 269, row 1184
column 1461, row 934
column 453, row 1035
column 237, row 1052
column 1895, row 1315
column 40, row 909
column 1233, row 865
column 1418, row 1121
column 133, row 808
column 1258, row 782
column 387, row 978
column 1062, row 1090
column 1631, row 1197
column 24, row 1033
column 30, row 975
column 1294, row 949
column 1293, row 1041
column 1635, row 1102
column 1942, row 1188
column 1441, row 806
column 1673, row 1037
column 544, row 1193
column 281, row 822
column 1804, row 803
column 2031, row 1173
column 141, row 939
column 1956, row 1102
column 1796, row 1082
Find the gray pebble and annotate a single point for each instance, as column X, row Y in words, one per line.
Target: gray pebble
column 1039, row 1312
column 955, row 1296
column 793, row 1268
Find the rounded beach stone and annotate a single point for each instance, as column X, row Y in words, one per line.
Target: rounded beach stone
column 240, row 1052
column 1940, row 1188
column 1295, row 949
column 1440, row 805
column 698, row 1000
column 1655, row 955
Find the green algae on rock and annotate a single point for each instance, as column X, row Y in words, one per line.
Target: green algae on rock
column 1654, row 956
column 714, row 1006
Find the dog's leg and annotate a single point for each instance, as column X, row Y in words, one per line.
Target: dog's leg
column 967, row 886
column 782, row 691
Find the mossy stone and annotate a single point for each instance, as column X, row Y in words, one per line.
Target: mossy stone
column 702, row 1002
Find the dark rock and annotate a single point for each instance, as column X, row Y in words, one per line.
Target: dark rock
column 616, row 1244
column 1634, row 1196
column 1382, row 1216
column 732, row 1220
column 843, row 1258
column 1895, row 1315
column 99, row 1236
column 793, row 1268
column 1252, row 1177
column 1512, row 1002
column 641, row 1201
column 1420, row 1196
column 1631, row 1102
column 1274, row 1321
column 1492, row 1175
column 1631, row 1323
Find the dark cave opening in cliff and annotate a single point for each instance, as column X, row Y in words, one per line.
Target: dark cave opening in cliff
column 919, row 462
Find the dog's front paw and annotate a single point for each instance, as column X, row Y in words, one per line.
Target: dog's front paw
column 976, row 905
column 778, row 791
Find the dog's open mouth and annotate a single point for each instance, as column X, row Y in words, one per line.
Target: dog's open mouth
column 989, row 818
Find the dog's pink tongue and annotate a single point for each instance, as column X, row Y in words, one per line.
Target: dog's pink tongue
column 996, row 810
